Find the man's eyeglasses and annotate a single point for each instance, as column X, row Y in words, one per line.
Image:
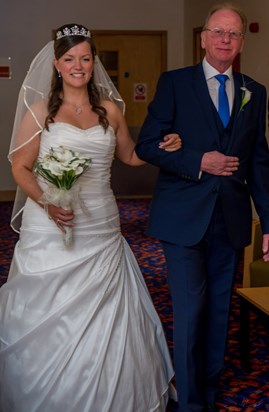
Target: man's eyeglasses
column 220, row 33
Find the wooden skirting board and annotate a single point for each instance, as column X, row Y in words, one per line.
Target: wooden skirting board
column 7, row 195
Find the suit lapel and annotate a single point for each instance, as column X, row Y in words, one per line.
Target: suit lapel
column 237, row 117
column 238, row 83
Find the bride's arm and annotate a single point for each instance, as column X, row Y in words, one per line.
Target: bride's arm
column 23, row 161
column 125, row 147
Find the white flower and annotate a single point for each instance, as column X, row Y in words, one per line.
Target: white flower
column 55, row 168
column 78, row 171
column 246, row 96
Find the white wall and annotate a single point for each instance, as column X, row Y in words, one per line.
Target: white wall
column 194, row 16
column 25, row 27
column 255, row 57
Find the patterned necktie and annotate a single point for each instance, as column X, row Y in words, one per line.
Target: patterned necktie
column 223, row 109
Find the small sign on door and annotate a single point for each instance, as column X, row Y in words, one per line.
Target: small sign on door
column 140, row 92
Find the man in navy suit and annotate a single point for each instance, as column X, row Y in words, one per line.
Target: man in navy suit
column 201, row 208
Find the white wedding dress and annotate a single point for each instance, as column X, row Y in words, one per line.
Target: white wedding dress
column 78, row 330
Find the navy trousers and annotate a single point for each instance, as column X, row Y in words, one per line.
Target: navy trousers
column 200, row 281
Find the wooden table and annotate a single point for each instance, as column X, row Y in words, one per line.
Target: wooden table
column 255, row 300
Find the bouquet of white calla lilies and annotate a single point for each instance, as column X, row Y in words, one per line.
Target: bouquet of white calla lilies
column 61, row 167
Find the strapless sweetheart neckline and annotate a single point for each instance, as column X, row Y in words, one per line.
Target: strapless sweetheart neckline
column 77, row 127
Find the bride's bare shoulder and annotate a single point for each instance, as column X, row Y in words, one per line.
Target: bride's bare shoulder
column 110, row 106
column 40, row 107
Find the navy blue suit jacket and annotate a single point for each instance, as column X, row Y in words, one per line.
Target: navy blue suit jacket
column 183, row 203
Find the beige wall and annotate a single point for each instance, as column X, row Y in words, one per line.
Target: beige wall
column 25, row 27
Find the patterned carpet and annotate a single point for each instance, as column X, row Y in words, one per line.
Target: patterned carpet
column 240, row 390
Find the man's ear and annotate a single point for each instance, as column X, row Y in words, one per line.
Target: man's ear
column 242, row 45
column 203, row 39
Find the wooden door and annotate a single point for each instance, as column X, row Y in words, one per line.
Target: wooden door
column 134, row 60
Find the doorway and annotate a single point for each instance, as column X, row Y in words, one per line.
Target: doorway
column 134, row 60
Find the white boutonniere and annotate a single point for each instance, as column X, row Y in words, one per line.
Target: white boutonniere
column 246, row 96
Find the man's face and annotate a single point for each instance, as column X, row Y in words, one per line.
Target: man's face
column 222, row 40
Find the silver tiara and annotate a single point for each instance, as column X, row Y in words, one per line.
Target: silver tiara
column 73, row 31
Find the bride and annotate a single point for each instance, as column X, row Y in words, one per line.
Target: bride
column 78, row 330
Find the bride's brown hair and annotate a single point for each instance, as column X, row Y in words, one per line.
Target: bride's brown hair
column 66, row 37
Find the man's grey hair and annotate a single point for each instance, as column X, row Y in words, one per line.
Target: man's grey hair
column 227, row 6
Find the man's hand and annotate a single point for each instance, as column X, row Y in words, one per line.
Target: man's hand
column 218, row 164
column 265, row 247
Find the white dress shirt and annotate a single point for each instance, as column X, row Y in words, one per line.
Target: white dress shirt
column 213, row 84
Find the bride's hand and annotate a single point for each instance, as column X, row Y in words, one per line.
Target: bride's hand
column 171, row 142
column 60, row 216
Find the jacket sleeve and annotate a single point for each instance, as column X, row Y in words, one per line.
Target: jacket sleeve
column 258, row 176
column 163, row 117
